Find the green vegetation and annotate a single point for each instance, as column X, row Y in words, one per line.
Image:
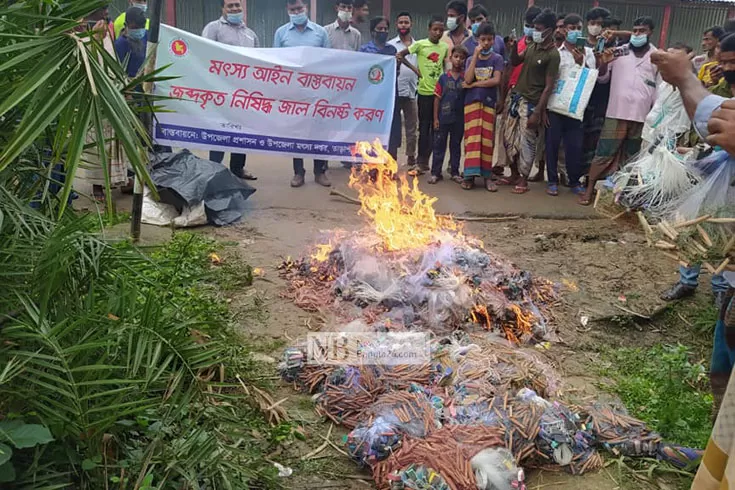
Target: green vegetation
column 664, row 387
column 119, row 367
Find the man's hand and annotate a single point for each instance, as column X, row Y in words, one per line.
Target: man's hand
column 578, row 56
column 533, row 121
column 607, row 56
column 436, row 124
column 478, row 50
column 721, row 127
column 499, row 107
column 716, row 74
column 399, row 57
column 545, row 119
column 466, row 85
column 674, row 67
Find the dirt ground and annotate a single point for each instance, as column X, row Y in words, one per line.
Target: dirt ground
column 605, row 261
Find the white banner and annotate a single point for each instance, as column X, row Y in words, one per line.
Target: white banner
column 309, row 102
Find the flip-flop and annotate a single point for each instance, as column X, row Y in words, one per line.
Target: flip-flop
column 468, row 185
column 552, row 190
column 249, row 176
column 457, row 179
column 506, row 181
column 584, row 202
column 415, row 172
column 520, row 190
column 579, row 190
column 490, row 186
column 434, row 179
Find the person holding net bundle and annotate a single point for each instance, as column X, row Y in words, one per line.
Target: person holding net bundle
column 689, row 276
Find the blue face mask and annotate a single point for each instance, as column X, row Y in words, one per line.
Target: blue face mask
column 639, row 41
column 474, row 28
column 141, row 6
column 235, row 18
column 488, row 52
column 572, row 36
column 528, row 31
column 136, row 34
column 298, row 19
column 538, row 36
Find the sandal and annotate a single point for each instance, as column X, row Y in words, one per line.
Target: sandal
column 457, row 179
column 248, row 176
column 583, row 201
column 507, row 181
column 552, row 190
column 435, row 179
column 490, row 185
column 579, row 190
column 468, row 185
column 415, row 172
column 520, row 190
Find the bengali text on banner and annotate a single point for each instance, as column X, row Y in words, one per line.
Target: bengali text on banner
column 309, row 102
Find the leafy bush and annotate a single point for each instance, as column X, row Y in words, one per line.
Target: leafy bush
column 126, row 360
column 663, row 387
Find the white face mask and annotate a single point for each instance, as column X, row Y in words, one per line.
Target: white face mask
column 595, row 30
column 344, row 16
column 451, row 23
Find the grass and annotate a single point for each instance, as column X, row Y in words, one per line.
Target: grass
column 665, row 387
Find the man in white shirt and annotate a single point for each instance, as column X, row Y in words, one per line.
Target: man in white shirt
column 341, row 33
column 563, row 128
column 407, row 86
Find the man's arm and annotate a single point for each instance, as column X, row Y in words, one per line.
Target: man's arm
column 210, row 31
column 277, row 41
column 469, row 74
column 517, row 58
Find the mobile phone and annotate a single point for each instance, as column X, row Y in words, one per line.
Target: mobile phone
column 600, row 45
column 514, row 35
column 621, row 51
column 581, row 43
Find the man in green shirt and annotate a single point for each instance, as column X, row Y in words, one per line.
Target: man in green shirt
column 430, row 55
column 119, row 23
column 527, row 110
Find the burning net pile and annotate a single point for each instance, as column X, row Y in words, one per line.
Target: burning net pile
column 478, row 407
column 413, row 269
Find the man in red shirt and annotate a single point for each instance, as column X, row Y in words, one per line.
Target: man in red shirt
column 510, row 80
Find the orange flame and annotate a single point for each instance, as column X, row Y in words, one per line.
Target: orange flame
column 403, row 217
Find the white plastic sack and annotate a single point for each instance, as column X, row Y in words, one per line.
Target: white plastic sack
column 162, row 214
column 668, row 116
column 573, row 91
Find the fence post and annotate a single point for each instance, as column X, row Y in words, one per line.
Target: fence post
column 386, row 9
column 171, row 12
column 312, row 10
column 665, row 27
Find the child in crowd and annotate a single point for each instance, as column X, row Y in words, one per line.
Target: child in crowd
column 482, row 76
column 430, row 55
column 448, row 120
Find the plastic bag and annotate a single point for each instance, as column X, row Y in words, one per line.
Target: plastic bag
column 573, row 91
column 667, row 115
column 496, row 469
column 712, row 194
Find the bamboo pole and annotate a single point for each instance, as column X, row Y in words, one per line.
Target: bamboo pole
column 693, row 222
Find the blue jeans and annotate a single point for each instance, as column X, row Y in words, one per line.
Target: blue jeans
column 237, row 161
column 454, row 132
column 689, row 276
column 571, row 132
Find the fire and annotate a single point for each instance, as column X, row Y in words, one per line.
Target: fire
column 402, row 216
column 322, row 252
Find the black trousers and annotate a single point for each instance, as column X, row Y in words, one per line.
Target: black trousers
column 237, row 161
column 426, row 131
column 320, row 166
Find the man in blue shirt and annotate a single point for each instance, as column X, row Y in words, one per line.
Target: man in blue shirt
column 300, row 31
column 131, row 46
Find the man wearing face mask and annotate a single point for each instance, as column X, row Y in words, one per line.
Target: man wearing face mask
column 527, row 108
column 341, row 34
column 633, row 80
column 231, row 29
column 564, row 128
column 477, row 15
column 131, row 45
column 300, row 31
column 407, row 86
column 456, row 32
column 119, row 23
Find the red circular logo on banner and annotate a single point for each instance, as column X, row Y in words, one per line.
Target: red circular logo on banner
column 179, row 47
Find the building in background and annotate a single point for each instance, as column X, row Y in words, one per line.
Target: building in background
column 676, row 20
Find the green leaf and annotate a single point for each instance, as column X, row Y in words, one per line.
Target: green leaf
column 5, row 453
column 88, row 465
column 7, row 472
column 29, row 435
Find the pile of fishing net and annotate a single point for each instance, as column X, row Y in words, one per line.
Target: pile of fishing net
column 438, row 288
